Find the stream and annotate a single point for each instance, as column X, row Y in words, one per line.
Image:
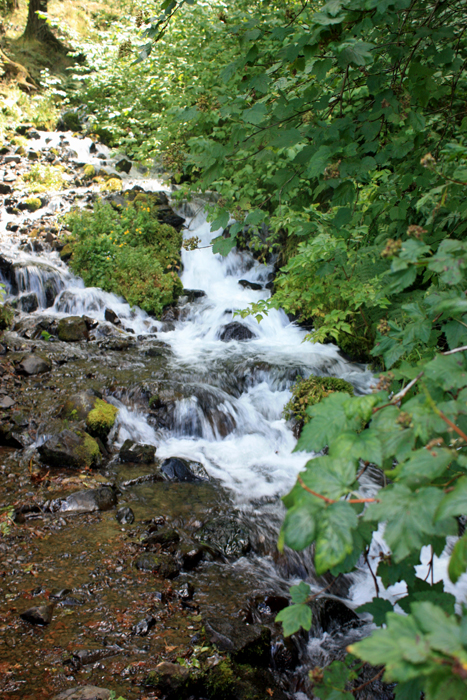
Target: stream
column 217, row 408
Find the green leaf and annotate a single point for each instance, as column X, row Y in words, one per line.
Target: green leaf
column 294, row 617
column 409, row 517
column 300, row 593
column 454, row 503
column 448, row 371
column 318, row 161
column 365, row 445
column 378, row 608
column 458, row 560
column 299, row 527
column 329, row 419
column 223, row 245
column 334, row 540
column 330, row 477
column 255, row 114
column 423, row 466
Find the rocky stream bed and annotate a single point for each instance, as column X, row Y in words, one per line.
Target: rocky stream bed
column 141, row 467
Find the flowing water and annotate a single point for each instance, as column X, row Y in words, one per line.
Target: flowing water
column 226, row 415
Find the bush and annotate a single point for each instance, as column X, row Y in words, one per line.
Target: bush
column 308, row 392
column 127, row 252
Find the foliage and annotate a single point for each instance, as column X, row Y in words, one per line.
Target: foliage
column 6, row 520
column 108, row 245
column 308, row 392
column 43, row 178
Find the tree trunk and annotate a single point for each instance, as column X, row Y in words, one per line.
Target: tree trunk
column 37, row 27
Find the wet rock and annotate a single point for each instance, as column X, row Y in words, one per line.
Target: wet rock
column 250, row 285
column 186, row 591
column 143, row 626
column 164, row 538
column 111, row 316
column 73, row 449
column 331, row 615
column 193, row 294
column 34, row 364
column 227, row 537
column 66, row 252
column 89, row 501
column 164, row 565
column 38, row 615
column 72, row 329
column 166, row 215
column 26, row 302
column 249, row 644
column 138, row 453
column 83, row 657
column 236, row 331
column 5, row 189
column 84, row 692
column 241, row 682
column 123, row 165
column 69, row 121
column 78, row 406
column 190, row 555
column 178, row 469
column 170, row 313
column 170, row 679
column 125, row 516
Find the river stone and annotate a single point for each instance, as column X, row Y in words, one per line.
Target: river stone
column 6, row 402
column 123, row 166
column 34, row 364
column 89, row 501
column 111, row 316
column 143, row 626
column 84, row 692
column 73, row 449
column 249, row 644
column 164, row 565
column 225, row 536
column 79, row 405
column 125, row 516
column 165, row 538
column 26, row 302
column 72, row 329
column 38, row 615
column 236, row 331
column 135, row 452
column 193, row 294
column 169, row 678
column 250, row 285
column 178, row 469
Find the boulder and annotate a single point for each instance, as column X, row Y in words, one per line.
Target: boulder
column 178, row 469
column 137, row 453
column 73, row 449
column 34, row 364
column 89, row 501
column 99, row 415
column 193, row 294
column 170, row 679
column 26, row 302
column 123, row 166
column 78, row 406
column 164, row 565
column 248, row 644
column 38, row 615
column 235, row 331
column 72, row 329
column 111, row 316
column 225, row 536
column 84, row 692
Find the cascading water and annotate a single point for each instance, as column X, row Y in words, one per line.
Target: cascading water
column 230, row 396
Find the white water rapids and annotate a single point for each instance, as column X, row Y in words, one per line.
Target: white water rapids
column 255, row 461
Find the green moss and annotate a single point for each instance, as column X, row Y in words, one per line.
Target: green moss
column 6, row 316
column 221, row 680
column 308, row 392
column 88, row 452
column 101, row 419
column 153, row 400
column 113, row 184
column 89, row 170
column 66, row 252
column 33, row 203
column 127, row 252
column 42, row 178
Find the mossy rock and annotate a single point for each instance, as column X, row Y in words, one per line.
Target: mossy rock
column 101, row 419
column 309, row 392
column 72, row 329
column 6, row 316
column 72, row 449
column 33, row 203
column 69, row 121
column 66, row 252
column 113, row 184
column 89, row 171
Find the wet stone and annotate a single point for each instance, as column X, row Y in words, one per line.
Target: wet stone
column 138, row 453
column 111, row 316
column 73, row 449
column 164, row 538
column 247, row 643
column 250, row 285
column 34, row 364
column 178, row 469
column 164, row 565
column 169, row 678
column 225, row 536
column 89, row 501
column 193, row 294
column 38, row 615
column 125, row 516
column 6, row 402
column 86, row 692
column 72, row 329
column 123, row 166
column 236, row 331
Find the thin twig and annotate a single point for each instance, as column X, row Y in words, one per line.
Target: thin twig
column 405, row 390
column 363, row 685
column 451, row 352
column 365, row 555
column 330, row 500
